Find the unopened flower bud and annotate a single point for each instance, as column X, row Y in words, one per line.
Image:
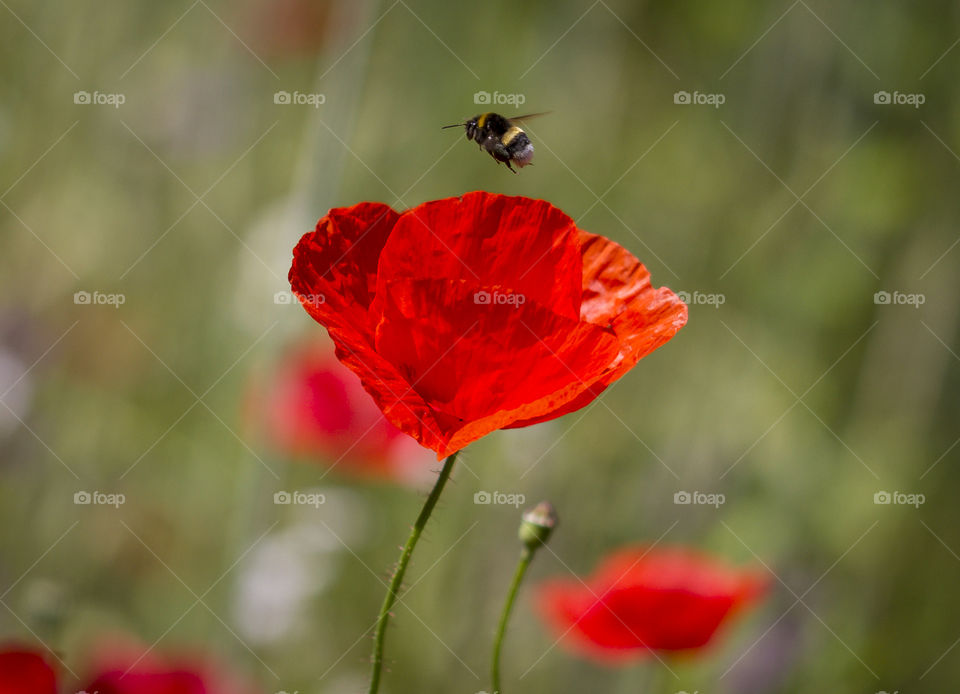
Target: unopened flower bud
column 537, row 525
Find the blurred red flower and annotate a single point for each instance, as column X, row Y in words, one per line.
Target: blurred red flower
column 467, row 315
column 120, row 667
column 123, row 667
column 312, row 406
column 169, row 682
column 23, row 671
column 289, row 28
column 640, row 600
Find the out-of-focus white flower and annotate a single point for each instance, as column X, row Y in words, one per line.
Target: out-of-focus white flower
column 288, row 568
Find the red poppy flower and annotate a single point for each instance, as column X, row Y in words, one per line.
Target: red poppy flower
column 23, row 671
column 467, row 315
column 639, row 601
column 314, row 407
column 121, row 667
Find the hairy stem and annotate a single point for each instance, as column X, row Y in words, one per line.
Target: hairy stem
column 391, row 597
column 525, row 557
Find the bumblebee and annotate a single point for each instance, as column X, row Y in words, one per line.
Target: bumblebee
column 500, row 137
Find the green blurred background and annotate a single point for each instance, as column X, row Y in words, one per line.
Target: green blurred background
column 799, row 397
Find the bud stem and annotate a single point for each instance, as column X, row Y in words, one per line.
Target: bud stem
column 526, row 556
column 388, row 601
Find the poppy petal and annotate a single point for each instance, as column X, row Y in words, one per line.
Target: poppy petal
column 335, row 266
column 334, row 273
column 522, row 246
column 617, row 294
column 454, row 359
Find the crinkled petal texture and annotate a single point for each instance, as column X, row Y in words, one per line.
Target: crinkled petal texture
column 641, row 600
column 471, row 314
column 23, row 671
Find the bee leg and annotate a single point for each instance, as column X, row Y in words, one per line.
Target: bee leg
column 499, row 152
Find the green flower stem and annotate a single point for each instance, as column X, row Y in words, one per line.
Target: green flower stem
column 526, row 556
column 397, row 581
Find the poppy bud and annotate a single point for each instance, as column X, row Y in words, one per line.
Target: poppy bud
column 537, row 525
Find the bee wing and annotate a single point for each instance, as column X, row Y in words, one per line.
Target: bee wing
column 518, row 119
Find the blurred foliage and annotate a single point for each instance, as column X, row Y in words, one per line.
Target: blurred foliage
column 798, row 398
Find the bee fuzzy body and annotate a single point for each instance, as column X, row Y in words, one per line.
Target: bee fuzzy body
column 501, row 138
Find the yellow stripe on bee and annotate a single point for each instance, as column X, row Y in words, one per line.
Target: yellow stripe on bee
column 510, row 135
column 482, row 119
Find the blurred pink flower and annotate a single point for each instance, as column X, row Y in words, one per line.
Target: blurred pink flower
column 313, row 407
